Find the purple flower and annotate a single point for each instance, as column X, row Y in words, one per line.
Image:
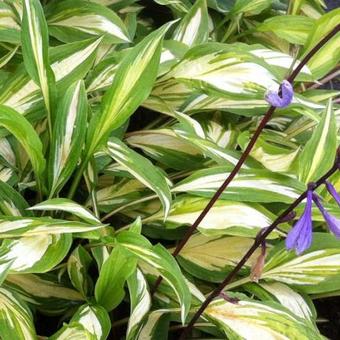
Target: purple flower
column 333, row 192
column 300, row 236
column 333, row 222
column 286, row 97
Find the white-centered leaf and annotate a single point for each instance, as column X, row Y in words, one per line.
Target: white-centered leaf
column 250, row 319
column 23, row 131
column 16, row 321
column 140, row 303
column 142, row 169
column 72, row 20
column 194, row 27
column 314, row 161
column 131, row 85
column 35, row 51
column 68, row 136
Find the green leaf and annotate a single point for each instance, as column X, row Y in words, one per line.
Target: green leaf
column 142, row 169
column 140, row 303
column 293, row 28
column 249, row 8
column 23, row 131
column 35, row 51
column 314, row 161
column 15, row 317
column 72, row 20
column 253, row 319
column 35, row 254
column 109, row 289
column 194, row 27
column 161, row 260
column 250, row 185
column 131, row 85
column 68, row 136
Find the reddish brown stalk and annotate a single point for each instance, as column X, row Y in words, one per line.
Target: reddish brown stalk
column 257, row 242
column 248, row 149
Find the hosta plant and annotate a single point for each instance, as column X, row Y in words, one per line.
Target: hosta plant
column 119, row 122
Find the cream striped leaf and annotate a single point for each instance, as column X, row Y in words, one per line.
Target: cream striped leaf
column 131, row 86
column 291, row 299
column 162, row 261
column 252, row 320
column 222, row 70
column 16, row 321
column 72, row 20
column 326, row 58
column 9, row 25
column 224, row 218
column 140, row 303
column 35, row 254
column 249, row 185
column 23, row 131
column 33, row 226
column 316, row 271
column 67, row 205
column 142, row 169
column 68, row 136
column 69, row 62
column 35, row 51
column 94, row 319
column 199, row 260
column 194, row 27
column 314, row 161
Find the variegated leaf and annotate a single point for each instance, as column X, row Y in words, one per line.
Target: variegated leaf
column 33, row 226
column 10, row 29
column 140, row 303
column 314, row 161
column 35, row 52
column 249, row 185
column 135, row 75
column 68, row 136
column 16, row 321
column 26, row 135
column 224, row 218
column 194, row 29
column 161, row 260
column 78, row 20
column 317, row 270
column 250, row 319
column 209, row 258
column 66, row 205
column 35, row 254
column 142, row 169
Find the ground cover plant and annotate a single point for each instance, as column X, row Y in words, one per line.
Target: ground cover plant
column 168, row 169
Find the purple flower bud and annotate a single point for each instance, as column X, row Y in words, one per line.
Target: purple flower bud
column 333, row 222
column 333, row 192
column 286, row 97
column 300, row 236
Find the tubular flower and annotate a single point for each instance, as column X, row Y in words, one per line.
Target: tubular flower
column 333, row 192
column 286, row 97
column 300, row 236
column 332, row 221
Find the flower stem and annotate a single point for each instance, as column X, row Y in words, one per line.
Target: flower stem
column 248, row 149
column 257, row 242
